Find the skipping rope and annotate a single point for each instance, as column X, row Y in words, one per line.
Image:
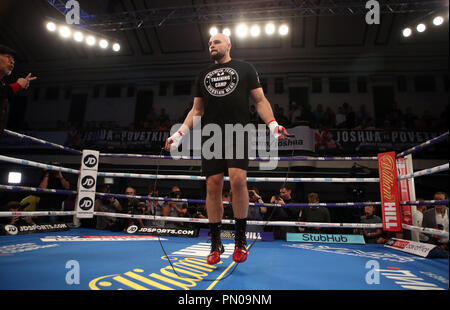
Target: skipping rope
column 248, row 248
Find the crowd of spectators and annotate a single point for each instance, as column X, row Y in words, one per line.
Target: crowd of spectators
column 435, row 217
column 343, row 116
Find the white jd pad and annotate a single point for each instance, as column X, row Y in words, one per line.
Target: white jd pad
column 87, row 183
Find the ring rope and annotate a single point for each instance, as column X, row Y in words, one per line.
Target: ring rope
column 424, row 172
column 424, row 145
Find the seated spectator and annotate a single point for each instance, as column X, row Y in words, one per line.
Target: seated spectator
column 163, row 116
column 329, row 119
column 410, row 119
column 341, row 118
column 437, row 218
column 14, row 206
column 255, row 213
column 314, row 214
column 362, row 116
column 319, row 115
column 350, row 118
column 227, row 208
column 369, row 217
column 109, row 205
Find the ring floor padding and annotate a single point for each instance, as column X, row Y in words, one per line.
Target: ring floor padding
column 27, row 262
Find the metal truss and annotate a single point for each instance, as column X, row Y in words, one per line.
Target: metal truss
column 225, row 13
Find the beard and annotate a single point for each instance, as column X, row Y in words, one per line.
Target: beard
column 217, row 56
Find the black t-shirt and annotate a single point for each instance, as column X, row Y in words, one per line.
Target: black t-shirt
column 225, row 90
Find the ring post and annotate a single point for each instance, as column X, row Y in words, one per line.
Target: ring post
column 87, row 182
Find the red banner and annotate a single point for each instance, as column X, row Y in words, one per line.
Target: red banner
column 404, row 191
column 390, row 208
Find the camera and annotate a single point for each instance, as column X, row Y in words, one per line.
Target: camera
column 174, row 194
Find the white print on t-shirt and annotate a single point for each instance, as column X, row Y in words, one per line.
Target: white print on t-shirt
column 221, row 82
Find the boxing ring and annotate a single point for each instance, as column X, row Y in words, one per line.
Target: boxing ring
column 88, row 259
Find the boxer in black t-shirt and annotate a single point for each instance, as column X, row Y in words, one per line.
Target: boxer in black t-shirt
column 222, row 97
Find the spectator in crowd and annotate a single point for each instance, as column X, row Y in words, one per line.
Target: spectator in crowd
column 132, row 206
column 341, row 118
column 410, row 119
column 163, row 116
column 177, row 209
column 371, row 235
column 427, row 121
column 154, row 207
column 281, row 214
column 227, row 208
column 418, row 220
column 329, row 119
column 279, row 116
column 307, row 115
column 295, row 113
column 255, row 213
column 14, row 206
column 394, row 116
column 109, row 205
column 314, row 214
column 362, row 116
column 437, row 218
column 350, row 117
column 319, row 115
column 51, row 202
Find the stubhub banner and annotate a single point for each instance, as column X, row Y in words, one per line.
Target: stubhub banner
column 325, row 238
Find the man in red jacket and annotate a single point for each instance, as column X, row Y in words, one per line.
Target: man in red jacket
column 7, row 92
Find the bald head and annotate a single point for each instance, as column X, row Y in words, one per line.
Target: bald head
column 220, row 36
column 219, row 48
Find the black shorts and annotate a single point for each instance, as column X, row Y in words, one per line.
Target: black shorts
column 220, row 165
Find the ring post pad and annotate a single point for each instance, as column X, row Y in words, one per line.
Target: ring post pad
column 87, row 183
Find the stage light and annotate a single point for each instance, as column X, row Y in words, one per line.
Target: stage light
column 284, row 29
column 213, row 31
column 103, row 43
column 421, row 27
column 51, row 26
column 227, row 32
column 270, row 29
column 438, row 20
column 90, row 40
column 116, row 47
column 78, row 36
column 407, row 32
column 14, row 177
column 255, row 31
column 64, row 31
column 242, row 30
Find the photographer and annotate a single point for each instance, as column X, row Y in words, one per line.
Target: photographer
column 176, row 208
column 282, row 214
column 110, row 205
column 52, row 180
column 133, row 206
column 255, row 213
